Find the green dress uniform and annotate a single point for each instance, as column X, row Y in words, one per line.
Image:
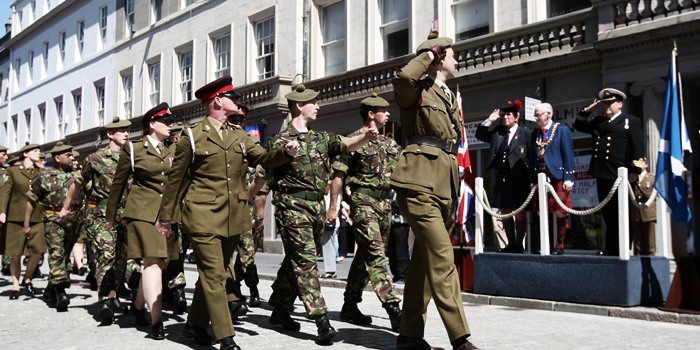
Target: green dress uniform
column 148, row 174
column 426, row 180
column 214, row 211
column 13, row 202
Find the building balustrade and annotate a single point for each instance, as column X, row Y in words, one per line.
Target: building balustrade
column 629, row 12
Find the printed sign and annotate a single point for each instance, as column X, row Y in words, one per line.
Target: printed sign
column 529, row 111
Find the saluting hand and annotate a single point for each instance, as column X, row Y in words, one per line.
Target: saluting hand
column 292, row 148
column 495, row 115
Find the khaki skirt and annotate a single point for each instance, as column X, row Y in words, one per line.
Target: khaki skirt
column 17, row 244
column 144, row 241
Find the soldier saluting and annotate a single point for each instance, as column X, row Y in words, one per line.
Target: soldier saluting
column 617, row 142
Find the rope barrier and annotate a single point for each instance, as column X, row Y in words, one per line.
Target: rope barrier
column 487, row 205
column 589, row 211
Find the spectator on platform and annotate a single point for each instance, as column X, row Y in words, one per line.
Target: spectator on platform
column 644, row 232
column 552, row 153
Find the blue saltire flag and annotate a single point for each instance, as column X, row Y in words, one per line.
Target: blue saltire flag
column 673, row 145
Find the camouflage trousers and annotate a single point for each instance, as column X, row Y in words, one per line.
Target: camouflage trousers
column 60, row 238
column 6, row 260
column 109, row 252
column 244, row 267
column 372, row 222
column 300, row 223
column 174, row 272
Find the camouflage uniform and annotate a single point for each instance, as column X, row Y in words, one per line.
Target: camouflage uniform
column 50, row 190
column 109, row 247
column 368, row 170
column 300, row 216
column 244, row 267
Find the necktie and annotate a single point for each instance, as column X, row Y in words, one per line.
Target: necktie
column 544, row 134
column 159, row 147
column 448, row 94
column 224, row 131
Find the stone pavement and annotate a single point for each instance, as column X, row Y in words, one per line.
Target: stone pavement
column 28, row 323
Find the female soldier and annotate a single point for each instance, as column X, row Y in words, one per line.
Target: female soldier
column 13, row 204
column 148, row 162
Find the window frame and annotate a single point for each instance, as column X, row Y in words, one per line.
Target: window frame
column 394, row 26
column 100, row 102
column 261, row 57
column 154, row 83
column 127, row 105
column 185, row 92
column 220, row 71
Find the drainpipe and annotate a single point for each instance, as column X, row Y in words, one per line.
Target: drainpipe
column 305, row 51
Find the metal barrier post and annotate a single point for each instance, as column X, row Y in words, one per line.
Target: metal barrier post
column 479, row 215
column 544, row 219
column 663, row 229
column 623, row 214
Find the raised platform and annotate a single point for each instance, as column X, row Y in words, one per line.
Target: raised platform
column 601, row 280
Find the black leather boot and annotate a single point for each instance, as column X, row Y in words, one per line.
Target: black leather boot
column 394, row 313
column 281, row 317
column 326, row 332
column 105, row 314
column 179, row 301
column 62, row 300
column 237, row 309
column 350, row 313
column 254, row 300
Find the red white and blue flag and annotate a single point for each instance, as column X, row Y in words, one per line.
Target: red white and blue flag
column 465, row 204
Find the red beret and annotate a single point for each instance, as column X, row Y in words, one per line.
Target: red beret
column 219, row 86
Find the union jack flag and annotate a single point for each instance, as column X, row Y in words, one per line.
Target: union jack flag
column 465, row 204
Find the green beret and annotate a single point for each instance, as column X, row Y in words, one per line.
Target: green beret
column 76, row 154
column 301, row 94
column 375, row 101
column 60, row 148
column 3, row 148
column 118, row 124
column 433, row 40
column 28, row 147
column 14, row 159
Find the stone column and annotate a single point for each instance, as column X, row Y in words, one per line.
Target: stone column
column 652, row 93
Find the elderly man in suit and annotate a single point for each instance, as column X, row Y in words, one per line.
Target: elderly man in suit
column 618, row 141
column 431, row 121
column 210, row 164
column 509, row 159
column 553, row 154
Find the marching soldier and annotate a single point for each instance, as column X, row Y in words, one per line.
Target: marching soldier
column 368, row 170
column 618, row 140
column 13, row 205
column 49, row 191
column 298, row 194
column 210, row 163
column 108, row 244
column 79, row 246
column 426, row 180
column 3, row 178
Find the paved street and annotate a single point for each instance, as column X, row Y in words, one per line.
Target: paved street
column 28, row 323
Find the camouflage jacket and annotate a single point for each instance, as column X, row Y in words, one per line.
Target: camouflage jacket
column 310, row 169
column 50, row 189
column 99, row 169
column 371, row 165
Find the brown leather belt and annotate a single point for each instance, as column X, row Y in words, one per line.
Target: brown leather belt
column 449, row 146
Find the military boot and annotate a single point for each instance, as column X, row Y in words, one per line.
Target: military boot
column 62, row 299
column 281, row 317
column 254, row 300
column 179, row 300
column 326, row 332
column 394, row 312
column 350, row 313
column 105, row 314
column 237, row 309
column 50, row 294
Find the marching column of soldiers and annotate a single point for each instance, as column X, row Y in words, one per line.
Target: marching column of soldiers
column 138, row 205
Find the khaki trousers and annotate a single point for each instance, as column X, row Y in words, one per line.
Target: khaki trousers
column 432, row 272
